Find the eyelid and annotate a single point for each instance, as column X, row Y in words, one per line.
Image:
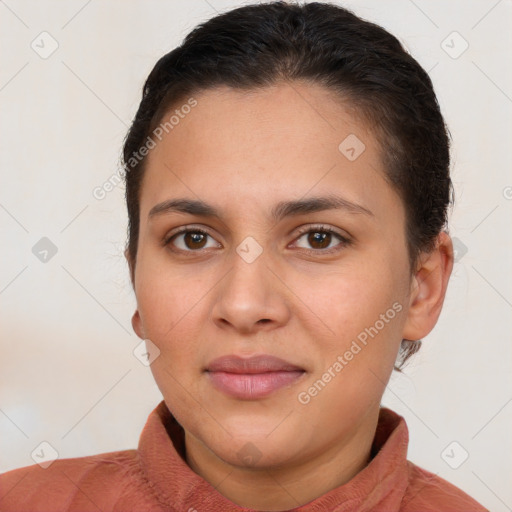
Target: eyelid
column 321, row 227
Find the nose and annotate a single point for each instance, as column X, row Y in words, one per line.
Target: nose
column 250, row 298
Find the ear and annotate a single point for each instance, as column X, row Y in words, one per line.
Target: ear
column 131, row 266
column 136, row 319
column 428, row 289
column 137, row 325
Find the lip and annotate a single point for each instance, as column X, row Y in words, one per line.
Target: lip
column 252, row 378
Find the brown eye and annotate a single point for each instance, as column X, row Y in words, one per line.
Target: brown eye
column 194, row 240
column 320, row 239
column 190, row 240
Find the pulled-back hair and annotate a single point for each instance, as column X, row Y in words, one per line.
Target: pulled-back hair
column 259, row 45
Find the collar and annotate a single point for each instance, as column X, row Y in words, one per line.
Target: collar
column 381, row 485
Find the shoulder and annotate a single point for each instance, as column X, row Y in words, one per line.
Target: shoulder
column 96, row 478
column 428, row 492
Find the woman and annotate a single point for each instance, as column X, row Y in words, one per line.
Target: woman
column 287, row 186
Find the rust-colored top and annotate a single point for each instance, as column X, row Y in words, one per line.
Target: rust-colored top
column 156, row 478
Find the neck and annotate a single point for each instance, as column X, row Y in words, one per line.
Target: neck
column 286, row 486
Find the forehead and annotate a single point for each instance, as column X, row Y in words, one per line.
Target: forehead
column 278, row 143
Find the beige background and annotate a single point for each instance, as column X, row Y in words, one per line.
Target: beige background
column 68, row 375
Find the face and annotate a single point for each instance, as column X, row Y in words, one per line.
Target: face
column 304, row 302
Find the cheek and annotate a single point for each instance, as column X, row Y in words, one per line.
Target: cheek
column 364, row 312
column 332, row 308
column 170, row 306
column 167, row 295
column 350, row 300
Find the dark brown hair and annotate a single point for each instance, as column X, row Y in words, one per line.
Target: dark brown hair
column 256, row 46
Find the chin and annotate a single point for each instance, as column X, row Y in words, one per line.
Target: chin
column 256, row 453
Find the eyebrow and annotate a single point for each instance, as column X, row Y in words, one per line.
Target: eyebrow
column 279, row 211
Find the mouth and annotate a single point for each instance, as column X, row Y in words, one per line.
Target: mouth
column 252, row 378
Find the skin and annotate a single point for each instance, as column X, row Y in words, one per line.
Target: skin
column 243, row 152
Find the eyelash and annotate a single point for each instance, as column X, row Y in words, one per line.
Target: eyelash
column 344, row 241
